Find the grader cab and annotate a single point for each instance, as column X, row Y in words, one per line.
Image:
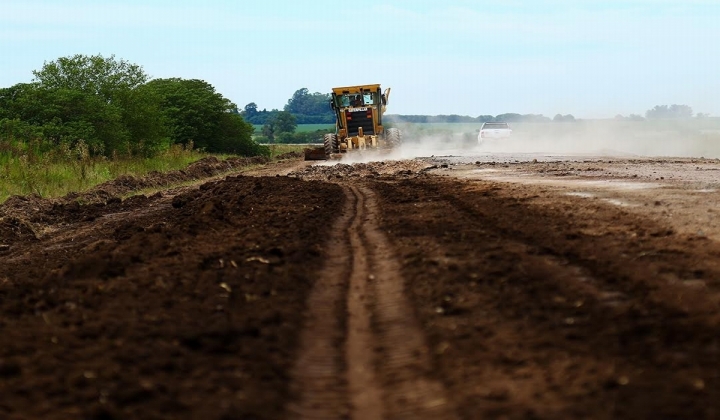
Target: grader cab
column 358, row 123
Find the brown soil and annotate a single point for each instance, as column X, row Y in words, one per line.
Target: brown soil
column 412, row 289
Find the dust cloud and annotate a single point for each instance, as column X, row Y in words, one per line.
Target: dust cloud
column 620, row 138
column 666, row 138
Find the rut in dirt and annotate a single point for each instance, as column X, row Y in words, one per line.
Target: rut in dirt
column 362, row 352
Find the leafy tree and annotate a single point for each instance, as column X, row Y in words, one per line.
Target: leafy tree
column 144, row 118
column 95, row 74
column 253, row 116
column 98, row 100
column 631, row 117
column 70, row 116
column 235, row 136
column 268, row 131
column 64, row 115
column 16, row 129
column 285, row 122
column 281, row 123
column 191, row 109
column 310, row 108
column 564, row 118
column 304, row 103
column 196, row 113
column 672, row 111
column 509, row 117
column 10, row 99
column 15, row 101
column 250, row 111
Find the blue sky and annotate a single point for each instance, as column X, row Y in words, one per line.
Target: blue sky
column 470, row 57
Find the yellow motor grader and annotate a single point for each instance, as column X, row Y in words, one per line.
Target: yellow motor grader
column 358, row 123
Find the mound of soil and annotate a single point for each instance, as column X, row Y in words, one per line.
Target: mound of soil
column 34, row 212
column 188, row 309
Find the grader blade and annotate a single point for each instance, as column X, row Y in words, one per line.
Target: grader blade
column 317, row 153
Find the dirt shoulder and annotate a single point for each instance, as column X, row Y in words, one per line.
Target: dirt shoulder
column 682, row 194
column 552, row 306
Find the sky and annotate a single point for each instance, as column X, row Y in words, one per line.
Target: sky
column 591, row 59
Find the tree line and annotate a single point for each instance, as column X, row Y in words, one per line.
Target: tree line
column 113, row 108
column 306, row 107
column 658, row 112
column 507, row 117
column 664, row 112
column 302, row 108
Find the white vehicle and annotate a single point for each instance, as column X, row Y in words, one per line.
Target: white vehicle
column 494, row 131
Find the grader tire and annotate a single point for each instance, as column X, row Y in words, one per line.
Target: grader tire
column 331, row 144
column 393, row 136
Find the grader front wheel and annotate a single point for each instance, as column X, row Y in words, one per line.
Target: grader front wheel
column 331, row 144
column 393, row 137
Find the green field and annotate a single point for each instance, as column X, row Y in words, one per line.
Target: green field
column 303, row 128
column 24, row 172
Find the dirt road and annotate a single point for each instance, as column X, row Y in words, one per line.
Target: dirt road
column 386, row 359
column 490, row 287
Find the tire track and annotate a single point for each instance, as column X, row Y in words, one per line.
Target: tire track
column 382, row 368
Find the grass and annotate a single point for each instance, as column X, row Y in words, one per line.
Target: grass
column 280, row 149
column 54, row 174
column 26, row 170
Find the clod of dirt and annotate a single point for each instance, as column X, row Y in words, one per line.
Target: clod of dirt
column 371, row 170
column 9, row 369
column 13, row 229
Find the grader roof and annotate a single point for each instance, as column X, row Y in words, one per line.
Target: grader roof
column 356, row 89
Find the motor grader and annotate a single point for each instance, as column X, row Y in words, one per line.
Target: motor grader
column 358, row 123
